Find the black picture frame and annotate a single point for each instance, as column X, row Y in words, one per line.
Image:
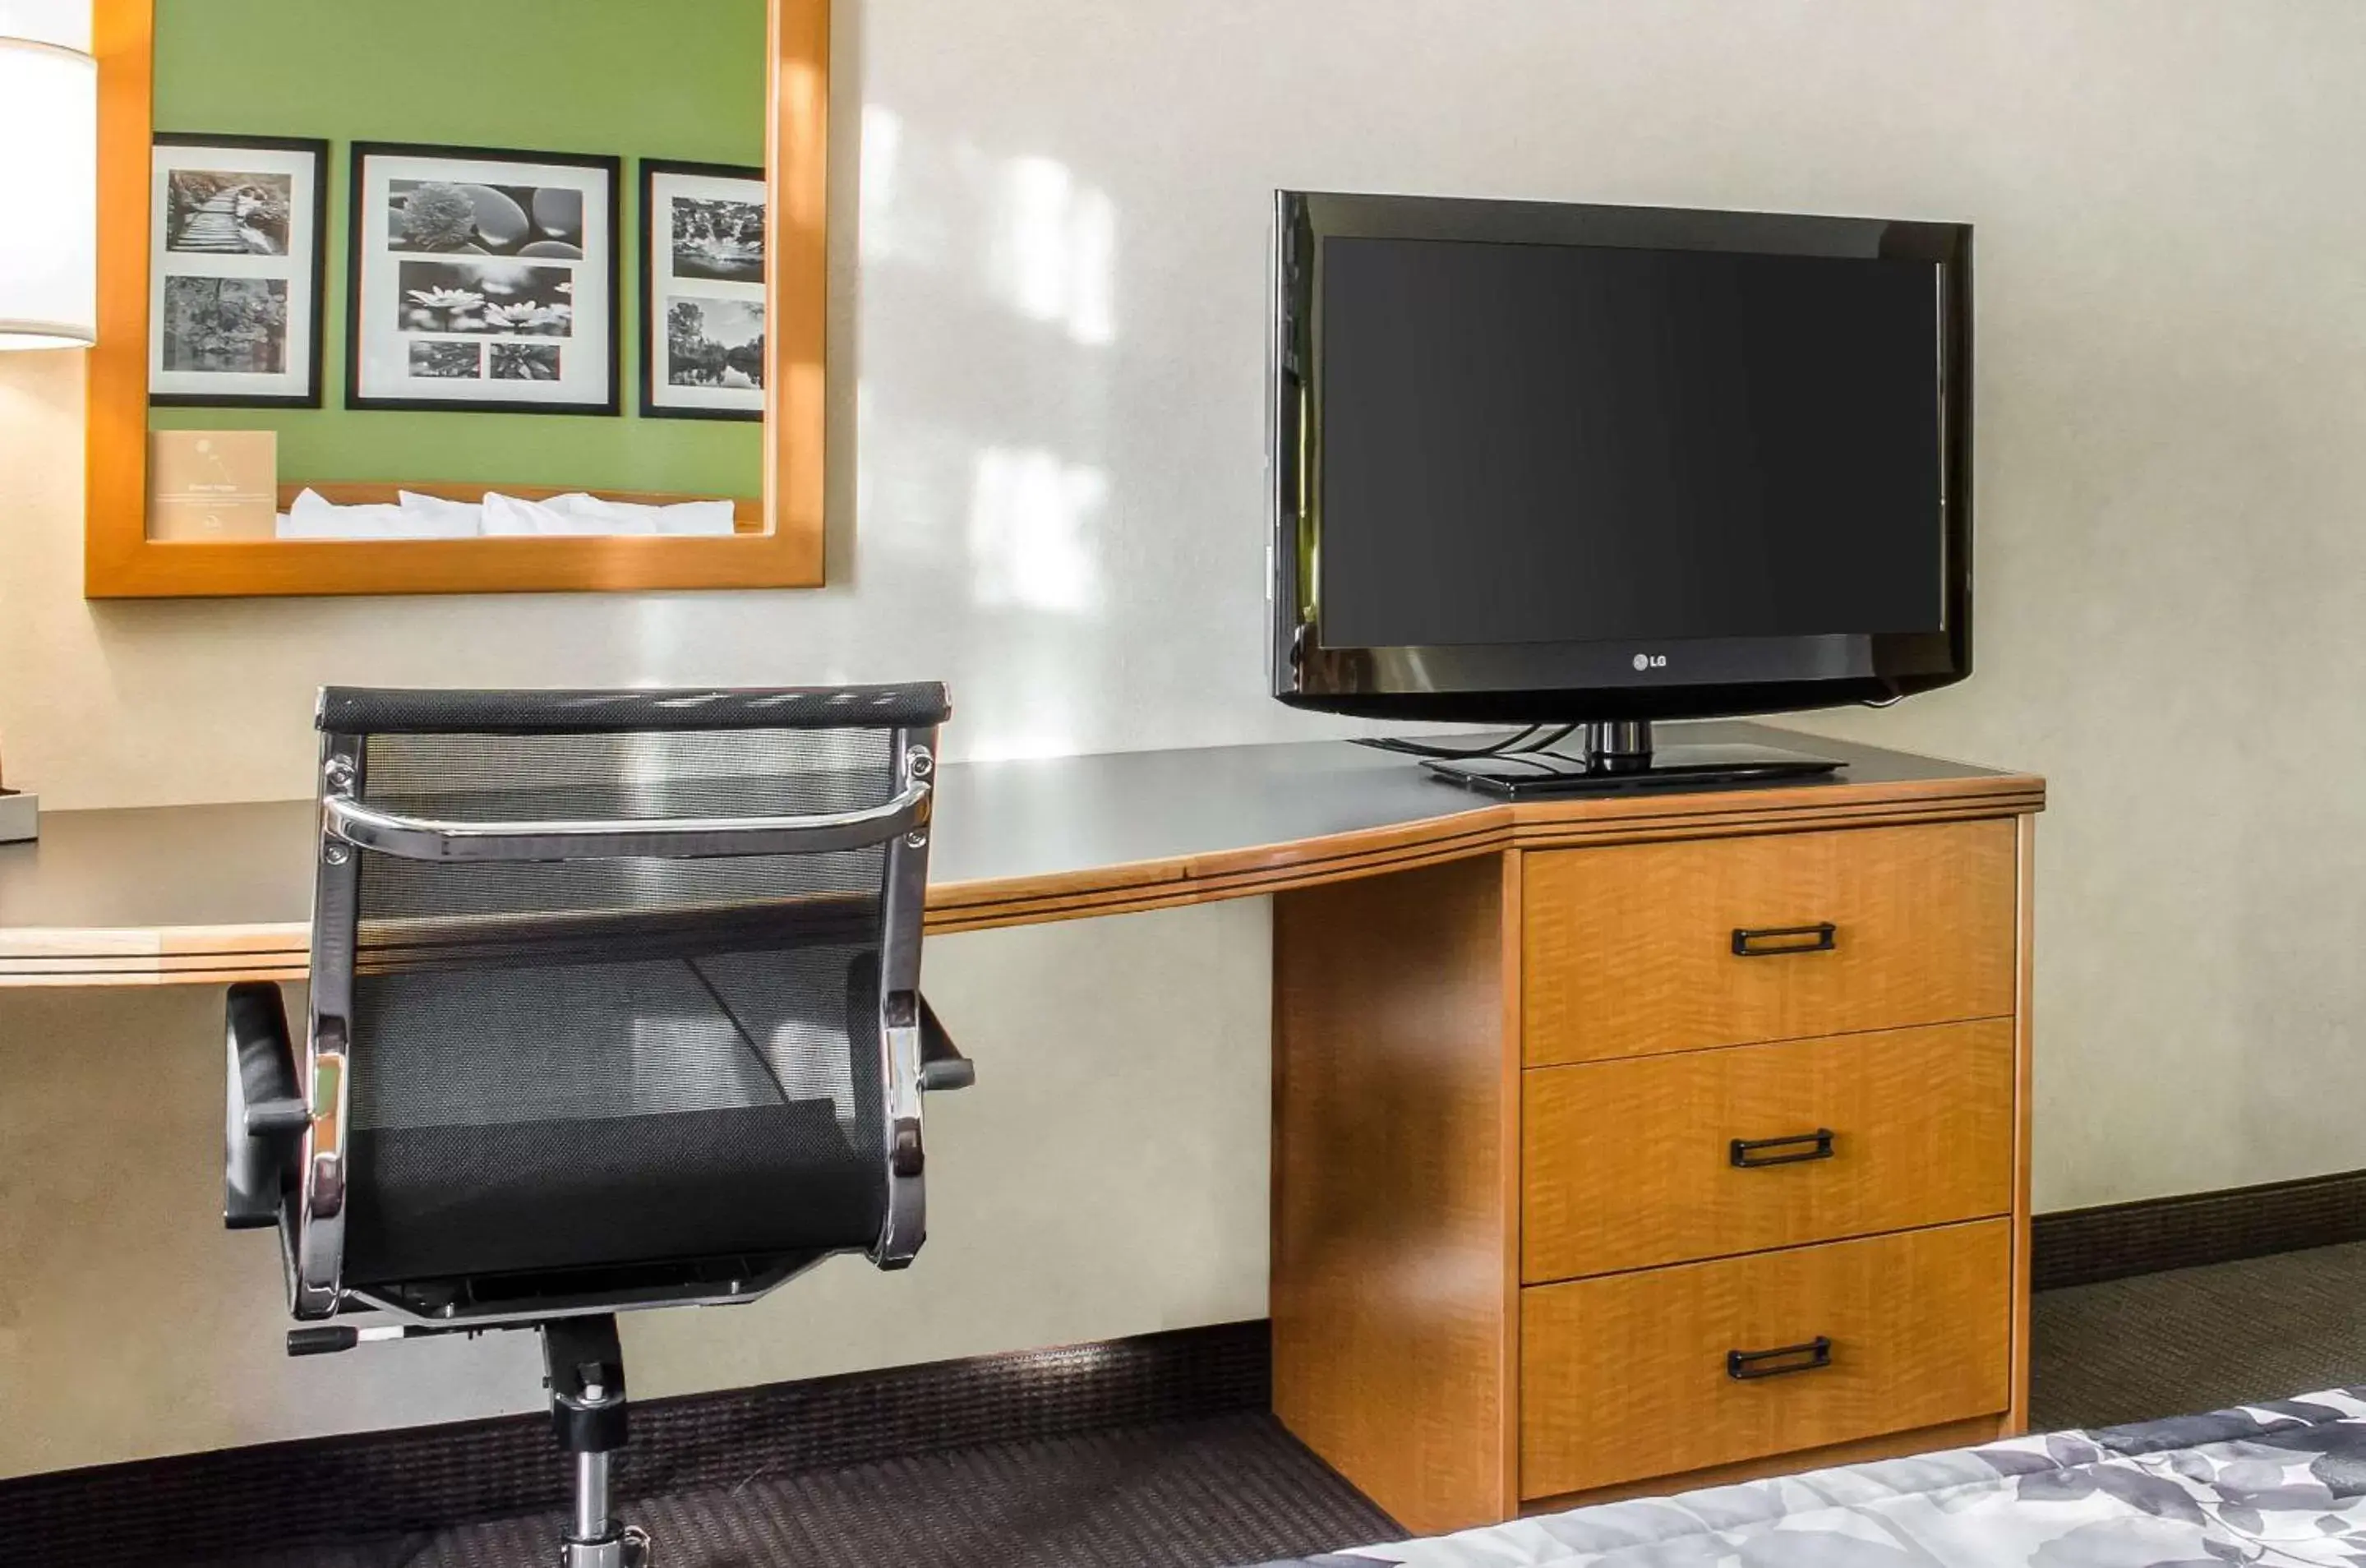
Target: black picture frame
column 357, row 200
column 315, row 359
column 652, row 269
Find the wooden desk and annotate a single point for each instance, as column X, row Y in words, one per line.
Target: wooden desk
column 209, row 894
column 1512, row 1264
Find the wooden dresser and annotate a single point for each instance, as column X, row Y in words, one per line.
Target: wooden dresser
column 1684, row 1139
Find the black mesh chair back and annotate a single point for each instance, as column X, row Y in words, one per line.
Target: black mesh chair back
column 614, row 996
column 615, row 1003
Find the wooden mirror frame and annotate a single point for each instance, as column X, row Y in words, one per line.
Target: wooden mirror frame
column 122, row 561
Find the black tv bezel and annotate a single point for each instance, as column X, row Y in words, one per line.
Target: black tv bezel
column 1621, row 679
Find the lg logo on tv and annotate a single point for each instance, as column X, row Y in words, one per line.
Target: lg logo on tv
column 1650, row 661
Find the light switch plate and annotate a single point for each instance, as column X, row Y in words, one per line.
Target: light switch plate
column 20, row 816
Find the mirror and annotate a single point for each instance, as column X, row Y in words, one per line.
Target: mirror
column 458, row 295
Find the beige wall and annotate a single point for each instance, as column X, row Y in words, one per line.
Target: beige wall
column 1053, row 349
column 1107, row 1177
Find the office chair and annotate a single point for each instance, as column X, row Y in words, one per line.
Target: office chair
column 616, row 1004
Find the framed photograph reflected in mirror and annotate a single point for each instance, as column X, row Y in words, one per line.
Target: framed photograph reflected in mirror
column 238, row 228
column 482, row 279
column 702, row 290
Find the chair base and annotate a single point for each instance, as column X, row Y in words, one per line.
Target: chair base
column 584, row 1366
column 630, row 1547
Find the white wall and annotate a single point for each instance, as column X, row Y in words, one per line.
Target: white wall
column 1052, row 349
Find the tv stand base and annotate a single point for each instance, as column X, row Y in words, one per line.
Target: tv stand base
column 1600, row 758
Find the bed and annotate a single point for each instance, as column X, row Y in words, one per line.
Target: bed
column 2277, row 1483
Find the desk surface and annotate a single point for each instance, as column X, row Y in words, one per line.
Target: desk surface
column 214, row 893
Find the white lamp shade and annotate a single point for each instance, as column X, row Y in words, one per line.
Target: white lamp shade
column 48, row 195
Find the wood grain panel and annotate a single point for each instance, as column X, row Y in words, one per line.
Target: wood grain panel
column 1395, row 1094
column 1477, row 830
column 1627, row 1164
column 1511, row 901
column 2023, row 1052
column 1624, row 1377
column 1554, row 824
column 1629, row 949
column 115, row 386
column 1889, row 1445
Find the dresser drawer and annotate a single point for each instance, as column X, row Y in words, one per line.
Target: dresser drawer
column 1632, row 1163
column 1642, row 948
column 1634, row 1375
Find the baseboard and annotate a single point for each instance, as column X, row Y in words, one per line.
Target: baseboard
column 246, row 1500
column 2085, row 1246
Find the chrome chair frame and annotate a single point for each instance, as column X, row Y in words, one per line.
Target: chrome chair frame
column 348, row 825
column 309, row 1098
column 286, row 1126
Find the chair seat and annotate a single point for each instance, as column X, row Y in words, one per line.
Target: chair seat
column 437, row 1203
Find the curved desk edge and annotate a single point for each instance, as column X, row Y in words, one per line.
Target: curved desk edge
column 1483, row 827
column 182, row 954
column 38, row 955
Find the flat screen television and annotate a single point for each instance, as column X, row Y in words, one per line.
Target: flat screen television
column 1551, row 464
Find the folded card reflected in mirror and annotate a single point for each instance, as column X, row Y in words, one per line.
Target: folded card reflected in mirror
column 212, row 484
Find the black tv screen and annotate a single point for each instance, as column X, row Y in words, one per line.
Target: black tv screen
column 1565, row 462
column 1548, row 444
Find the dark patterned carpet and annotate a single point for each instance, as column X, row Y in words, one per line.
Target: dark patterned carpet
column 1239, row 1490
column 2200, row 1339
column 1195, row 1495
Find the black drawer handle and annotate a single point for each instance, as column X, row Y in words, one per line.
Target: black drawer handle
column 1744, row 1366
column 1749, row 1153
column 1772, row 942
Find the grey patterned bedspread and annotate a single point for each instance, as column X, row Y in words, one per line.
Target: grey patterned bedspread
column 2275, row 1484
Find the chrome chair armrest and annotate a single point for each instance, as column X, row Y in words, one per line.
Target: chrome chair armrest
column 431, row 838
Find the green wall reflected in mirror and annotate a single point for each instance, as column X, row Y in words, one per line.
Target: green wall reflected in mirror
column 483, row 279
